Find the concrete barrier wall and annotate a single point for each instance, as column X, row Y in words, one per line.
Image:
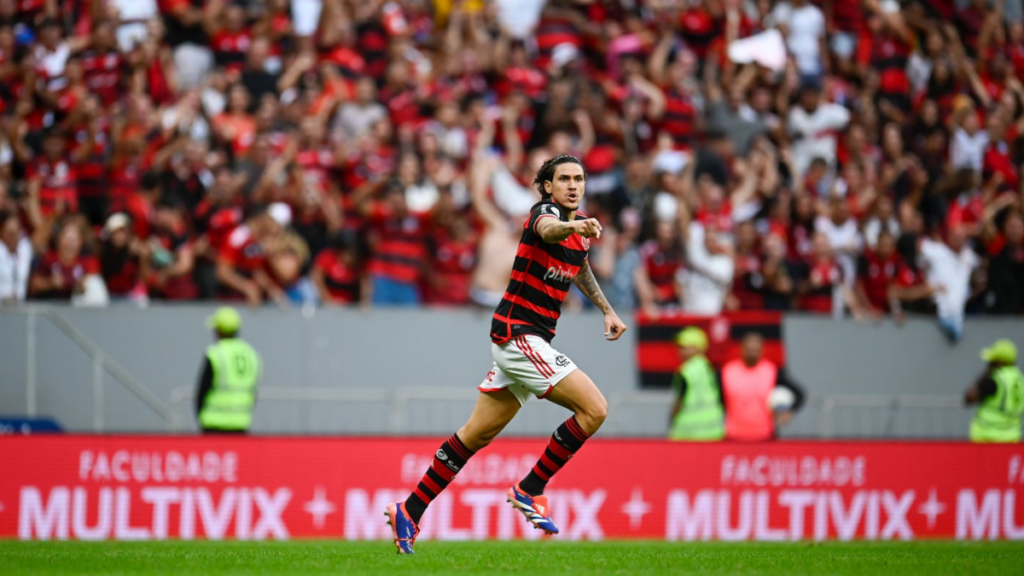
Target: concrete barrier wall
column 378, row 350
column 845, row 357
column 392, row 352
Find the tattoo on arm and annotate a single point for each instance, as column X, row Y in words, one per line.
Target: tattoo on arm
column 553, row 231
column 587, row 284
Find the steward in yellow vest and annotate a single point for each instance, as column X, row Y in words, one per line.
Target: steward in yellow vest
column 999, row 393
column 227, row 385
column 697, row 414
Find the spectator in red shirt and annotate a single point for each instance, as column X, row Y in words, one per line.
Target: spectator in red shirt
column 517, row 73
column 53, row 179
column 657, row 278
column 242, row 268
column 89, row 155
column 398, row 250
column 877, row 271
column 124, row 174
column 152, row 67
column 400, row 95
column 886, row 50
column 215, row 219
column 337, row 271
column 681, row 119
column 141, row 205
column 236, row 125
column 998, row 162
column 103, row 65
column 453, row 259
column 63, row 271
column 559, row 24
column 823, row 290
column 124, row 259
column 1015, row 47
column 230, row 38
column 698, row 28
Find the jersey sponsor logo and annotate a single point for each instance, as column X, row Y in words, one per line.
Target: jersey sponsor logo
column 558, row 274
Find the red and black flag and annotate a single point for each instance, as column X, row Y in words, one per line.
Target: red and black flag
column 657, row 355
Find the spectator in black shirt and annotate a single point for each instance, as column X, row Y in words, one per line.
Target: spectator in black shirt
column 1006, row 270
column 255, row 76
column 185, row 33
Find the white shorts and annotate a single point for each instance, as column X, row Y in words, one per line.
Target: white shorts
column 526, row 365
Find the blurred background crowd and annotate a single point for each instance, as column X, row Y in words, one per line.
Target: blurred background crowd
column 857, row 157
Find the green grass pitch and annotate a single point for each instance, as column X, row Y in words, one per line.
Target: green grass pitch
column 537, row 558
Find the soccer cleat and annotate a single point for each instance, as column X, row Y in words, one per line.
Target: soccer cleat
column 535, row 508
column 403, row 527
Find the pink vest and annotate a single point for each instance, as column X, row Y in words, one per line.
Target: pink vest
column 747, row 414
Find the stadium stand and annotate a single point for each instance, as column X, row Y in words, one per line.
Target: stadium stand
column 852, row 157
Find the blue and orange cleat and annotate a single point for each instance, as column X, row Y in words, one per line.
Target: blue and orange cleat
column 535, row 508
column 403, row 527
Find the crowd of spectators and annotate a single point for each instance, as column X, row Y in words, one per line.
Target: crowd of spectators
column 867, row 162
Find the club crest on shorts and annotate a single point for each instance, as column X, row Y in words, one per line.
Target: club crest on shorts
column 562, row 361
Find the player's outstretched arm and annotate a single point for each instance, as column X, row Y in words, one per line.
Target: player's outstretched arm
column 587, row 283
column 553, row 231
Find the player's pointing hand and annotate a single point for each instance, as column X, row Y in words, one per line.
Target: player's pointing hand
column 614, row 327
column 588, row 228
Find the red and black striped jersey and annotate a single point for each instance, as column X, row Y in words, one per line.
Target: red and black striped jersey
column 549, row 33
column 680, row 117
column 540, row 279
column 103, row 73
column 888, row 55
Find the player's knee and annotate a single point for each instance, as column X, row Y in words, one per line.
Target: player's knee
column 593, row 415
column 601, row 412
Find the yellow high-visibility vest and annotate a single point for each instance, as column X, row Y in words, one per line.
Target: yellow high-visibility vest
column 998, row 417
column 236, row 371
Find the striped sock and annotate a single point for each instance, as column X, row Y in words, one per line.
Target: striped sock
column 566, row 441
column 449, row 459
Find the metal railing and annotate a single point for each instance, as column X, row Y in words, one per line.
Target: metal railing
column 102, row 364
column 638, row 414
column 397, row 402
column 894, row 409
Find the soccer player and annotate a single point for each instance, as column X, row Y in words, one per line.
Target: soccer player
column 552, row 254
